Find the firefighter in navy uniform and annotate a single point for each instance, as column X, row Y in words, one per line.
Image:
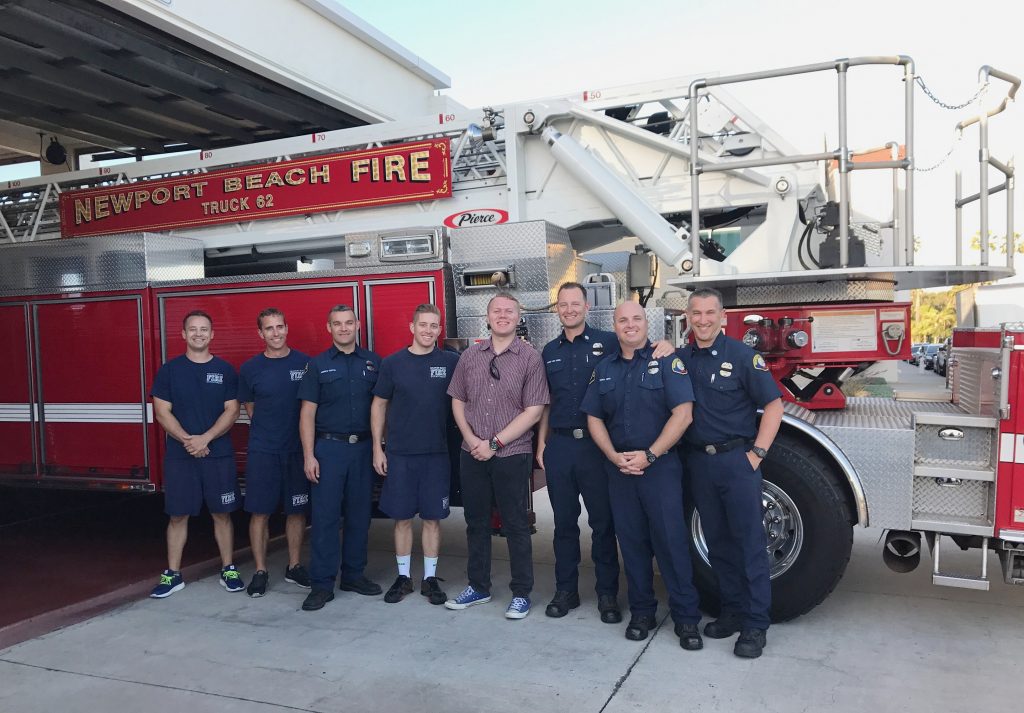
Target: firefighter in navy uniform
column 638, row 407
column 334, row 428
column 573, row 465
column 723, row 451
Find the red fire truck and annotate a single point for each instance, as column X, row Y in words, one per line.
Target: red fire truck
column 521, row 197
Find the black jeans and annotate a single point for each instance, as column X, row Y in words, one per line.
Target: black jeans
column 505, row 481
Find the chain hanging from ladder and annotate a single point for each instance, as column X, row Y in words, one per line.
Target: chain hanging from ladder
column 982, row 86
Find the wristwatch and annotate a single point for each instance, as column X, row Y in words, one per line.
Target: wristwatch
column 759, row 452
column 493, row 443
column 650, row 456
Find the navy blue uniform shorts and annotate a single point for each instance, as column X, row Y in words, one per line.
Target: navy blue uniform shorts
column 275, row 478
column 188, row 483
column 417, row 484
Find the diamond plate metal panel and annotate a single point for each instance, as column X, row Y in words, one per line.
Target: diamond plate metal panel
column 109, row 262
column 975, row 450
column 538, row 253
column 974, row 389
column 968, row 499
column 839, row 291
column 883, row 458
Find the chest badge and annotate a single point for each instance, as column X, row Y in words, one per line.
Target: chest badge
column 653, row 367
column 296, row 374
column 370, row 366
column 597, row 349
column 438, row 372
column 725, row 372
column 214, row 378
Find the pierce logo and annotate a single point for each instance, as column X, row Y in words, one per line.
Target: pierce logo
column 477, row 217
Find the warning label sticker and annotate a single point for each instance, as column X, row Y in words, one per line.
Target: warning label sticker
column 847, row 331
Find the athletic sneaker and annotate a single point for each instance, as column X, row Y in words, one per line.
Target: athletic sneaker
column 468, row 598
column 401, row 587
column 298, row 576
column 230, row 579
column 258, row 585
column 170, row 582
column 432, row 590
column 518, row 608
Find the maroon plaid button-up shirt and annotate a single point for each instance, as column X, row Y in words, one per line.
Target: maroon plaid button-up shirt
column 491, row 403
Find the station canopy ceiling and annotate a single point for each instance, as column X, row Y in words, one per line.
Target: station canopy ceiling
column 79, row 69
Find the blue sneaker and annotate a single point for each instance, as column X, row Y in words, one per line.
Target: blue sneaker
column 170, row 582
column 518, row 608
column 468, row 598
column 231, row 580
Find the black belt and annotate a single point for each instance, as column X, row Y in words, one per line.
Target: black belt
column 346, row 437
column 715, row 448
column 577, row 433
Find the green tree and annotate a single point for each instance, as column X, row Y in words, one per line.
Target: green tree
column 933, row 314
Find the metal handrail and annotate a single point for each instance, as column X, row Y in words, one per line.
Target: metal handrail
column 984, row 161
column 841, row 154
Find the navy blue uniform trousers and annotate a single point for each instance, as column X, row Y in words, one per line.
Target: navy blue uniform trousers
column 727, row 493
column 574, row 468
column 649, row 520
column 345, row 487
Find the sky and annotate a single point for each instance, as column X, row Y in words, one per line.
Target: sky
column 496, row 53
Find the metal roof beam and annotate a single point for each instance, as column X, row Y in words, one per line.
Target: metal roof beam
column 106, row 88
column 113, row 60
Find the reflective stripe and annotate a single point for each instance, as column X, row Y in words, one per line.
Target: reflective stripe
column 1006, row 447
column 15, row 412
column 94, row 413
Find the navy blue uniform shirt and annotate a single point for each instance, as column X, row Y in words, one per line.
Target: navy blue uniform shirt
column 635, row 397
column 731, row 381
column 197, row 393
column 419, row 407
column 272, row 386
column 569, row 366
column 342, row 387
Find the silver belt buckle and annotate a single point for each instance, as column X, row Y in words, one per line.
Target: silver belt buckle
column 577, row 433
column 353, row 438
column 710, row 449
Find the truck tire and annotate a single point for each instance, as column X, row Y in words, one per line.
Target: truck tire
column 810, row 545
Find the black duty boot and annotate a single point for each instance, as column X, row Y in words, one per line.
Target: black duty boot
column 689, row 637
column 638, row 627
column 751, row 643
column 608, row 605
column 723, row 627
column 561, row 603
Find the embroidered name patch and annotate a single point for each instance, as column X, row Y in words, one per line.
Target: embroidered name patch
column 438, row 372
column 214, row 378
column 300, row 499
column 296, row 374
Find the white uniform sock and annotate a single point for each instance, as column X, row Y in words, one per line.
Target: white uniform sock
column 404, row 563
column 429, row 567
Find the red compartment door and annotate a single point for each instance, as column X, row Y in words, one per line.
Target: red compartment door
column 389, row 307
column 94, row 416
column 17, row 406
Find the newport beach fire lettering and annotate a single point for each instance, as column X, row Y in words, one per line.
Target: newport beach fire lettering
column 392, row 174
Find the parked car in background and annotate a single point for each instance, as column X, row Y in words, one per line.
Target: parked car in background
column 915, row 353
column 942, row 358
column 929, row 354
